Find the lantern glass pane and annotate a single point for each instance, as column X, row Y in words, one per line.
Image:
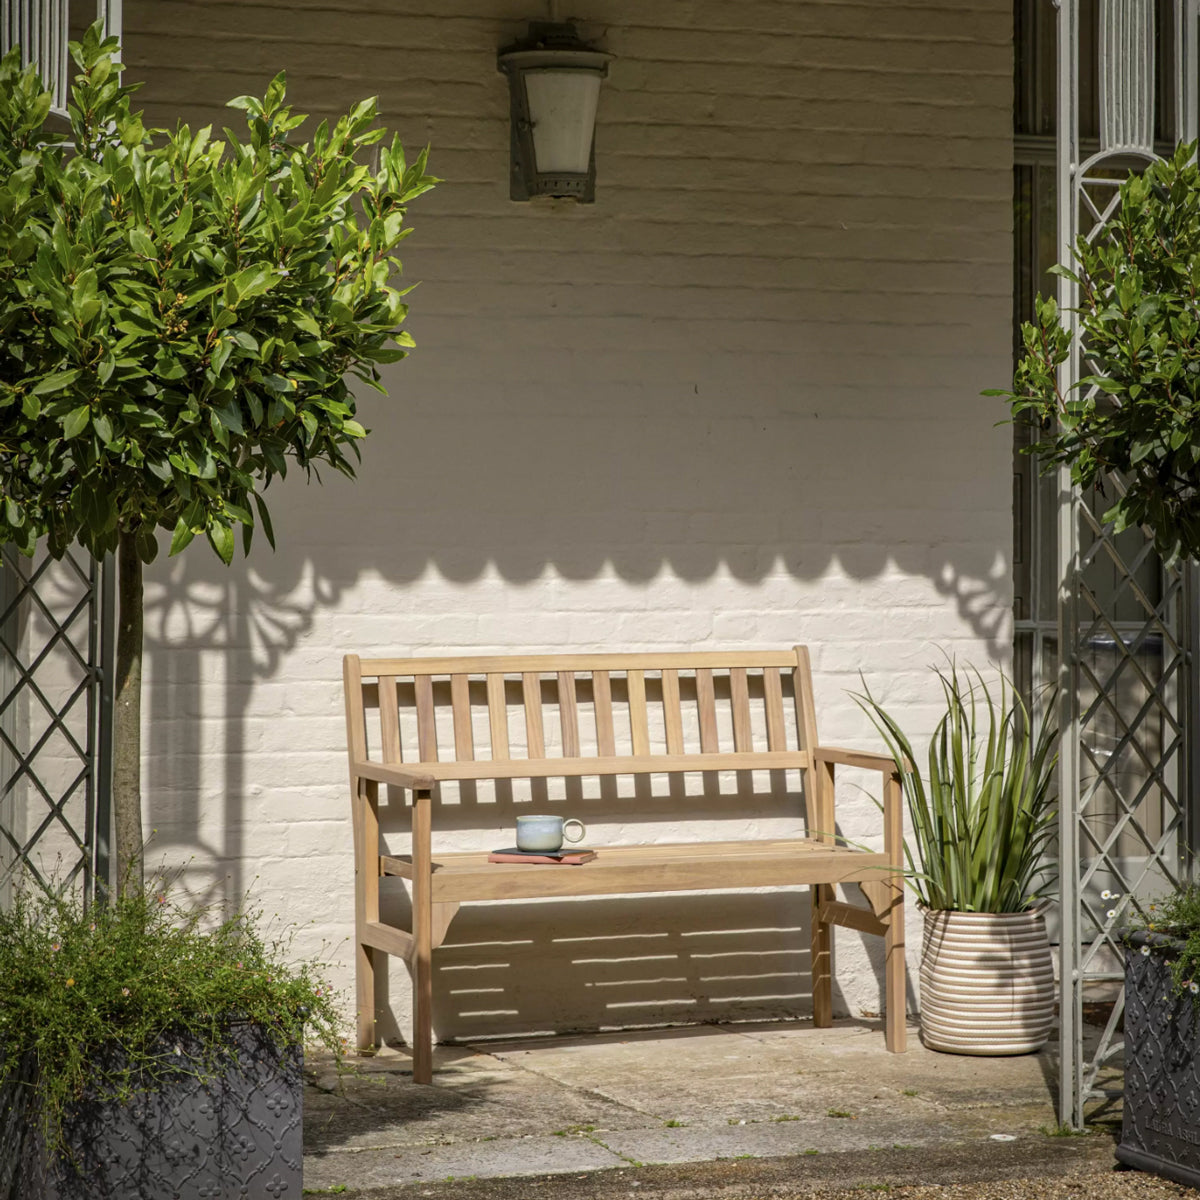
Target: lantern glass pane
column 562, row 111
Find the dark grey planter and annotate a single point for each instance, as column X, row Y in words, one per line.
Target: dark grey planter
column 238, row 1135
column 1160, row 1126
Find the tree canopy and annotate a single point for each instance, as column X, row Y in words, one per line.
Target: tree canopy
column 1130, row 428
column 181, row 315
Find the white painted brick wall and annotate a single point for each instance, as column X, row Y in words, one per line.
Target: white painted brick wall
column 735, row 402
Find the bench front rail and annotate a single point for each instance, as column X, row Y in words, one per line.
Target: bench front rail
column 730, row 697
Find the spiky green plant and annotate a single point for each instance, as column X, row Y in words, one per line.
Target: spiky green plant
column 983, row 812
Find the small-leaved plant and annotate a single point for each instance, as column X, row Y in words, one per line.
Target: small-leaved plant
column 1177, row 917
column 983, row 811
column 94, row 1000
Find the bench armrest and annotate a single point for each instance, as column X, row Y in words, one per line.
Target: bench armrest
column 866, row 759
column 396, row 775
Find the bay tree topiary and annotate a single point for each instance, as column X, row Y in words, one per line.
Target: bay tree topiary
column 180, row 318
column 1131, row 427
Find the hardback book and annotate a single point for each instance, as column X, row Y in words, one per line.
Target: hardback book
column 561, row 858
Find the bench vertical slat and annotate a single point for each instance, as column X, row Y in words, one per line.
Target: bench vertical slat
column 427, row 745
column 672, row 711
column 739, row 695
column 606, row 742
column 706, row 702
column 460, row 700
column 389, row 731
column 806, row 732
column 639, row 725
column 531, row 685
column 389, row 720
column 773, row 698
column 497, row 717
column 568, row 711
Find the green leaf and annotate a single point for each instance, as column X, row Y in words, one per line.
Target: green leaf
column 142, row 244
column 77, row 421
column 147, row 543
column 56, row 382
column 181, row 537
column 265, row 519
column 222, row 538
column 230, row 417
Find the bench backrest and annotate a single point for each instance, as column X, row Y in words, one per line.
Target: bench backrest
column 560, row 714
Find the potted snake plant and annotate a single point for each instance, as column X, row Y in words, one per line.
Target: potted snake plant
column 980, row 816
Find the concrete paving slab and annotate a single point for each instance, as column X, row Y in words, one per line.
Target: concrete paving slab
column 706, row 1094
column 374, row 1168
column 373, row 1104
column 736, row 1073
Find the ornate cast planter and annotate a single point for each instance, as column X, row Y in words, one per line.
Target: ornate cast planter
column 238, row 1135
column 987, row 983
column 1160, row 1125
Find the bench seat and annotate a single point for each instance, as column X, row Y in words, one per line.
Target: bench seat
column 674, row 867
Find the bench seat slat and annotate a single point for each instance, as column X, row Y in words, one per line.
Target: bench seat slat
column 553, row 768
column 701, row 866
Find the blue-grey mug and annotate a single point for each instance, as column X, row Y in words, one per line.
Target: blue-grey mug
column 547, row 833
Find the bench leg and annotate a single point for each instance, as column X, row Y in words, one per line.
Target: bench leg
column 895, row 1029
column 366, row 908
column 822, row 959
column 365, row 987
column 422, row 959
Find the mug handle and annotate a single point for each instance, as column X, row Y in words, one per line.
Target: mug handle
column 567, row 825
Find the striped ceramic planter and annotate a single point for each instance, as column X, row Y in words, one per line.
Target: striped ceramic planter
column 987, row 982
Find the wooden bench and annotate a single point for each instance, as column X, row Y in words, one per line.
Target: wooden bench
column 448, row 707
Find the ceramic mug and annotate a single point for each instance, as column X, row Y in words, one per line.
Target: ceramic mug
column 546, row 833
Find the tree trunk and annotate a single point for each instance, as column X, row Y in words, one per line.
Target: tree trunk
column 127, row 719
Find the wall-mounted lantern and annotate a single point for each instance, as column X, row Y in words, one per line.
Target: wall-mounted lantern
column 554, row 86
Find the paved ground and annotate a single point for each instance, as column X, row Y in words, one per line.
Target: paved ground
column 782, row 1110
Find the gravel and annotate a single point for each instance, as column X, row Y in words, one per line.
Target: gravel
column 1097, row 1185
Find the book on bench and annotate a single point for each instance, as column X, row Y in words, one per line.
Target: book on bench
column 561, row 858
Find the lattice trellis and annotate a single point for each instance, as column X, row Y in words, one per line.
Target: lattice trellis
column 1126, row 636
column 53, row 798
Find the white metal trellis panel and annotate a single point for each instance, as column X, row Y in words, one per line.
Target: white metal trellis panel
column 53, row 725
column 1126, row 625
